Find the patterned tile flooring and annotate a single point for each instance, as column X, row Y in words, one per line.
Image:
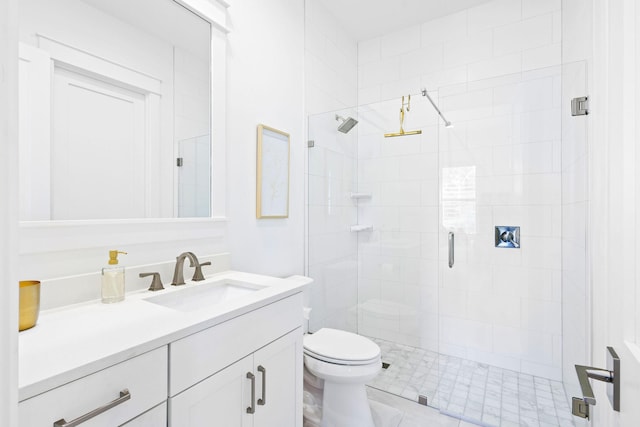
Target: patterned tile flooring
column 475, row 392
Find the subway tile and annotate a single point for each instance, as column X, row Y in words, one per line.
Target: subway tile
column 422, row 61
column 395, row 89
column 369, row 95
column 378, row 72
column 399, row 42
column 542, row 252
column 474, row 48
column 532, row 8
column 497, row 66
column 541, row 57
column 527, row 34
column 542, row 317
column 446, row 28
column 446, row 77
column 493, row 14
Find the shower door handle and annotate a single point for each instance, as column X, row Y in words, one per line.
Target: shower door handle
column 451, row 249
column 609, row 375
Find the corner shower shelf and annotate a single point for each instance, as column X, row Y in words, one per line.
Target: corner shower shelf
column 358, row 227
column 356, row 196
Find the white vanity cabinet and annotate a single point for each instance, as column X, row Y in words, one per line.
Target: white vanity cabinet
column 244, row 372
column 134, row 388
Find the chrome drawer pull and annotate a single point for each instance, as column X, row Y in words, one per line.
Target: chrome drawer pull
column 124, row 396
column 263, row 400
column 252, row 408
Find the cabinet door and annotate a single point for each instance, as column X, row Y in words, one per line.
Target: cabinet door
column 278, row 370
column 220, row 400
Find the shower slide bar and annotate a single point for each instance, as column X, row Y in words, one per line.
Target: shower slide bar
column 447, row 123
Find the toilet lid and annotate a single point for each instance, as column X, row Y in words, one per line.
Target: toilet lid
column 334, row 344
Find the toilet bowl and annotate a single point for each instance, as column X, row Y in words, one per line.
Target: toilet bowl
column 344, row 362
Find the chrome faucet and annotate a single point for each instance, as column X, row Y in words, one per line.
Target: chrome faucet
column 178, row 272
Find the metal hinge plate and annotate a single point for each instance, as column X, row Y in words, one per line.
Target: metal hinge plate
column 311, row 143
column 179, row 161
column 580, row 106
column 579, row 408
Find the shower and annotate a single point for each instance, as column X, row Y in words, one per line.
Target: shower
column 447, row 123
column 481, row 340
column 346, row 124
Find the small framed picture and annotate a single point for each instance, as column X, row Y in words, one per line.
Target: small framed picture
column 272, row 173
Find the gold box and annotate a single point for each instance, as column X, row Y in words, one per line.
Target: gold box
column 29, row 303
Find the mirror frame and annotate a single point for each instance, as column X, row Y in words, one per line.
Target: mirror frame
column 52, row 236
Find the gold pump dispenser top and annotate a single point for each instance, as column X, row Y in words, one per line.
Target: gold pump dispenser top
column 113, row 256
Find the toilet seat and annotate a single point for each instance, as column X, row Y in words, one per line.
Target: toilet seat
column 341, row 347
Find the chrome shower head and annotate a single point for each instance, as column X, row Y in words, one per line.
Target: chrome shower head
column 347, row 124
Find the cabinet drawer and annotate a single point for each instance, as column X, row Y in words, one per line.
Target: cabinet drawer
column 143, row 376
column 155, row 417
column 200, row 355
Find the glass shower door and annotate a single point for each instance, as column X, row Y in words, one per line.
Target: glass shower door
column 373, row 237
column 398, row 245
column 332, row 212
column 500, row 295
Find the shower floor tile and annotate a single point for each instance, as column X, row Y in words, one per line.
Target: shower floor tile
column 475, row 392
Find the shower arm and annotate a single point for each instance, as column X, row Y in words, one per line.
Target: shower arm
column 447, row 123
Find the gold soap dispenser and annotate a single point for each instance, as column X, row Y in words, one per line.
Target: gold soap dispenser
column 113, row 279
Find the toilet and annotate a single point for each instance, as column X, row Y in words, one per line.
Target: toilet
column 341, row 363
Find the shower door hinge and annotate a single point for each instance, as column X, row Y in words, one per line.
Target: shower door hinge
column 579, row 408
column 311, row 143
column 580, row 106
column 179, row 162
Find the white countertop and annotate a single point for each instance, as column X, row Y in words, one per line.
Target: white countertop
column 74, row 341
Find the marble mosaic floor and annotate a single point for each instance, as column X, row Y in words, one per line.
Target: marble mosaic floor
column 474, row 392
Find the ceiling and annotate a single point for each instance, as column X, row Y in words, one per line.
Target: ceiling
column 366, row 19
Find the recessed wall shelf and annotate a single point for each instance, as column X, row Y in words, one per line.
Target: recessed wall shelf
column 361, row 195
column 359, row 227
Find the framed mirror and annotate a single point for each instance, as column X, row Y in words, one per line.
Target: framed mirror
column 115, row 110
column 272, row 180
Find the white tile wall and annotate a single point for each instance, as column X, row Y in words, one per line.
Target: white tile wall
column 493, row 39
column 496, row 306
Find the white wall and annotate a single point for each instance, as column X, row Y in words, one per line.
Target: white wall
column 265, row 84
column 331, row 56
column 9, row 212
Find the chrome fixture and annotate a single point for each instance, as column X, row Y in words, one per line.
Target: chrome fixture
column 178, row 272
column 580, row 106
column 252, row 408
column 507, row 236
column 124, row 396
column 346, row 124
column 611, row 375
column 403, row 110
column 451, row 249
column 447, row 123
column 263, row 400
column 156, row 283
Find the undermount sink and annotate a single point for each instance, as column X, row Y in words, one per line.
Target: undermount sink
column 193, row 297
